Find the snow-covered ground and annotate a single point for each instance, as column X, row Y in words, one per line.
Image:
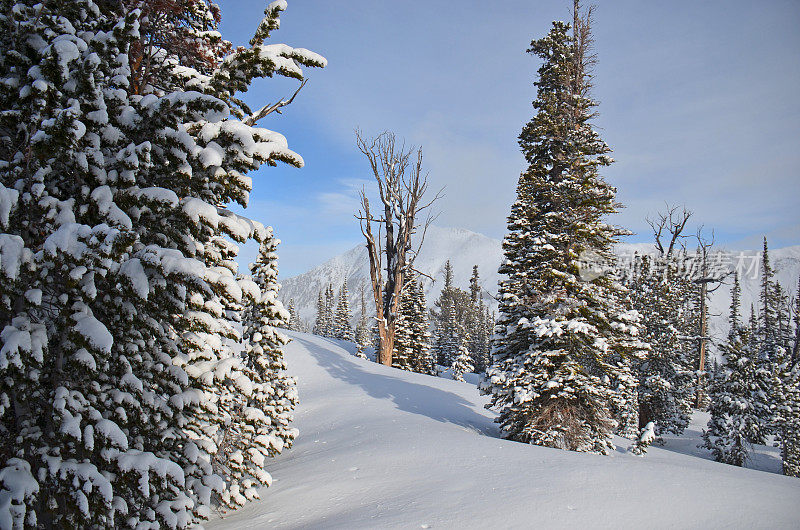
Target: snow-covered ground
column 383, row 448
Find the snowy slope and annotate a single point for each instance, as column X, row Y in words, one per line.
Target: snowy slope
column 383, row 448
column 465, row 249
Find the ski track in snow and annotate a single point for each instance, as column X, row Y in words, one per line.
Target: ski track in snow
column 384, row 448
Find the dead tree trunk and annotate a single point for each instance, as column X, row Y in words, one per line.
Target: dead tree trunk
column 702, row 339
column 401, row 186
column 706, row 278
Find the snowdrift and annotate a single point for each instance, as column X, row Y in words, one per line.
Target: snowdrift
column 383, row 448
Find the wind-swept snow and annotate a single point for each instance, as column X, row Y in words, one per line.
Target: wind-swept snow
column 380, row 447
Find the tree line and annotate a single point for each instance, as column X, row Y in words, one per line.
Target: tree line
column 452, row 337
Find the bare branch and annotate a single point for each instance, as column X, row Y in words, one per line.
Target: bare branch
column 273, row 107
column 673, row 221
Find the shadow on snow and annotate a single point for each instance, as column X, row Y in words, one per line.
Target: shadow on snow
column 440, row 405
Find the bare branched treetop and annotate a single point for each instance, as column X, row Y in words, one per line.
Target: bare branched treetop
column 401, row 188
column 670, row 225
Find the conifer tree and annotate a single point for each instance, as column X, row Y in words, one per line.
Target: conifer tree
column 666, row 374
column 474, row 286
column 451, row 311
column 295, row 324
column 787, row 418
column 342, row 328
column 735, row 424
column 772, row 357
column 118, row 279
column 448, row 333
column 363, row 338
column 329, row 322
column 319, row 323
column 462, row 361
column 562, row 338
column 476, row 325
column 263, row 404
column 479, row 338
column 412, row 338
column 796, row 318
column 646, row 437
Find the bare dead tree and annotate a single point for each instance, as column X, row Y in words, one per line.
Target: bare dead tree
column 584, row 56
column 705, row 280
column 401, row 187
column 669, row 226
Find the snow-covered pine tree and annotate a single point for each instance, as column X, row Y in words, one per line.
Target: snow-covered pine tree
column 772, row 359
column 476, row 325
column 421, row 356
column 319, row 323
column 448, row 333
column 294, row 324
column 257, row 411
column 474, row 286
column 787, row 418
column 451, row 310
column 479, row 346
column 462, row 360
column 329, row 322
column 735, row 424
column 789, row 410
column 363, row 338
column 561, row 335
column 116, row 281
column 412, row 337
column 666, row 377
column 403, row 333
column 796, row 319
column 342, row 329
column 647, row 436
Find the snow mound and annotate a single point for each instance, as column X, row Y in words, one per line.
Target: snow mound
column 383, row 448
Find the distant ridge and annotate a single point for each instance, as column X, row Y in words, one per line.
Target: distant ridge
column 466, row 248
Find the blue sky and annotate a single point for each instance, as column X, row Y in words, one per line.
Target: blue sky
column 698, row 100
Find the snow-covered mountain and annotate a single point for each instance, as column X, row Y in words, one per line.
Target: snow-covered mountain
column 462, row 247
column 465, row 249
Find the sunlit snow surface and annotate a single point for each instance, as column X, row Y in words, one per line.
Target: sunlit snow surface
column 383, row 448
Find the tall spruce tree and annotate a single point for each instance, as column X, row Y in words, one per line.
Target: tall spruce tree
column 258, row 410
column 666, row 374
column 772, row 359
column 118, row 279
column 342, row 329
column 363, row 338
column 412, row 337
column 329, row 319
column 476, row 325
column 448, row 333
column 295, row 323
column 796, row 319
column 319, row 322
column 735, row 423
column 562, row 338
column 787, row 418
column 450, row 312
